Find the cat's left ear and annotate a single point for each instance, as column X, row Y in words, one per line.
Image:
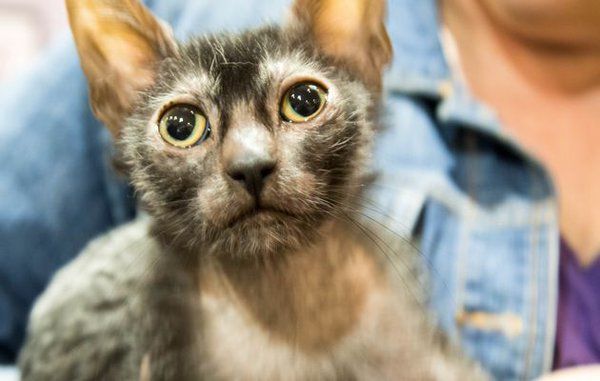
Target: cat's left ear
column 351, row 31
column 120, row 44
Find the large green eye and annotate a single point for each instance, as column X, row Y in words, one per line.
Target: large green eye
column 184, row 126
column 303, row 102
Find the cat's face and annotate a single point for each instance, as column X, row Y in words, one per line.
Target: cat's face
column 248, row 144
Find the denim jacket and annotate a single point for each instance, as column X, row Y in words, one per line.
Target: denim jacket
column 483, row 210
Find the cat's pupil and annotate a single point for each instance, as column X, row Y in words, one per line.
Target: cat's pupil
column 180, row 123
column 305, row 99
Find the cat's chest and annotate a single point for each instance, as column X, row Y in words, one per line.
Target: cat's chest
column 318, row 325
column 235, row 346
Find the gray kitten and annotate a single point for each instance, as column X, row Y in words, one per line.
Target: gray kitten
column 250, row 153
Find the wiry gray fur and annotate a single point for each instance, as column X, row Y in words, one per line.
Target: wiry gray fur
column 132, row 295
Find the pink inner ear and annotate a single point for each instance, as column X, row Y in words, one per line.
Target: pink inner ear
column 351, row 30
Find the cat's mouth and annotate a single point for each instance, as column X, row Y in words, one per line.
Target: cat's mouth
column 261, row 216
column 265, row 230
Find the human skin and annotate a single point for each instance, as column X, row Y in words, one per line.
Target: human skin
column 537, row 64
column 584, row 373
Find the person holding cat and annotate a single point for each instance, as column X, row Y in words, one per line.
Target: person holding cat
column 488, row 160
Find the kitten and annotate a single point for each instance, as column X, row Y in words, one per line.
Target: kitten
column 250, row 154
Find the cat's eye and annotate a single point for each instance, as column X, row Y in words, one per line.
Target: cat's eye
column 303, row 102
column 184, row 126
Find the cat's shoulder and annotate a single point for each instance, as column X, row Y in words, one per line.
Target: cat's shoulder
column 106, row 269
column 97, row 297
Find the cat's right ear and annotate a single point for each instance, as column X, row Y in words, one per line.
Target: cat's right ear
column 120, row 44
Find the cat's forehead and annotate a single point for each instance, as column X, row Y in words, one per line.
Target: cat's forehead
column 231, row 67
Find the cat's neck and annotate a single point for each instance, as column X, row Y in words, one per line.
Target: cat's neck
column 310, row 297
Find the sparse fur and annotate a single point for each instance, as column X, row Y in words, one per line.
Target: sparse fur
column 204, row 288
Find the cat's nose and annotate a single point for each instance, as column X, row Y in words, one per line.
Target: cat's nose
column 248, row 154
column 251, row 172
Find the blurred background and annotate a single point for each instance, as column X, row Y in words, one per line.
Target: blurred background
column 26, row 28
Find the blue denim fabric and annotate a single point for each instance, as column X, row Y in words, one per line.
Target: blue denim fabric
column 56, row 192
column 484, row 211
column 488, row 225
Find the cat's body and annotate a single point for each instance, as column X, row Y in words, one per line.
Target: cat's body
column 250, row 153
column 345, row 316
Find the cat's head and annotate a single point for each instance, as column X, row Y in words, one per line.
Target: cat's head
column 246, row 143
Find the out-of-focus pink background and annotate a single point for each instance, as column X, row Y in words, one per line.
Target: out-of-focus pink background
column 26, row 28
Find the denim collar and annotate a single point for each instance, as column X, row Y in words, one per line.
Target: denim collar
column 420, row 69
column 419, row 65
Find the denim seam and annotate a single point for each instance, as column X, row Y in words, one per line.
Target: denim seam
column 552, row 273
column 463, row 244
column 460, row 284
column 529, row 360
